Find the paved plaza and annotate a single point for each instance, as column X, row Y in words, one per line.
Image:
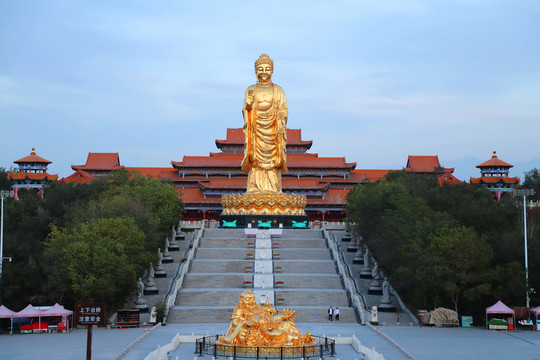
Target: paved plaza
column 422, row 343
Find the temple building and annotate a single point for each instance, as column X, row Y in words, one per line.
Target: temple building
column 324, row 180
column 494, row 176
column 202, row 180
column 32, row 174
column 98, row 165
column 430, row 165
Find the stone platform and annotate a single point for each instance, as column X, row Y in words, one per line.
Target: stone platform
column 242, row 221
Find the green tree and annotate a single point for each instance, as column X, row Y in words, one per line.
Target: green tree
column 532, row 180
column 451, row 246
column 100, row 260
column 461, row 260
column 162, row 198
column 5, row 184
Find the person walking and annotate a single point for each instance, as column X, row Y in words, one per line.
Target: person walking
column 330, row 313
column 336, row 313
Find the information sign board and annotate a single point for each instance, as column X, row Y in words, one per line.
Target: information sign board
column 90, row 313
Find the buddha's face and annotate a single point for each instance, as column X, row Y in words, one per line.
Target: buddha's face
column 264, row 73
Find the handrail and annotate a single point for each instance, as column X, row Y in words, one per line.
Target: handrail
column 402, row 305
column 392, row 342
column 356, row 298
column 356, row 286
column 162, row 352
column 146, row 334
column 181, row 274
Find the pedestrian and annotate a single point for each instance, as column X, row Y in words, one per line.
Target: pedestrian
column 336, row 313
column 330, row 313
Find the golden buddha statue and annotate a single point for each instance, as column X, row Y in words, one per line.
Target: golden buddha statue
column 262, row 325
column 265, row 150
column 265, row 127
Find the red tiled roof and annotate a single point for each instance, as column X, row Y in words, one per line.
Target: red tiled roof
column 32, row 176
column 448, row 178
column 494, row 162
column 495, row 179
column 234, row 160
column 314, row 161
column 196, row 196
column 33, row 158
column 333, row 197
column 157, row 172
column 219, row 160
column 422, row 164
column 365, row 174
column 100, row 161
column 236, row 137
column 241, row 183
column 80, row 177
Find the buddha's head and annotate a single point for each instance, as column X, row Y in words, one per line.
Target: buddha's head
column 264, row 68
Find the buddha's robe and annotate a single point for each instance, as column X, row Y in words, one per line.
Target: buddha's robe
column 265, row 129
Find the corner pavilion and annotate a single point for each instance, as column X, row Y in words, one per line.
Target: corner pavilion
column 494, row 176
column 32, row 174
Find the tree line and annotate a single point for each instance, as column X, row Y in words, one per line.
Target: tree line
column 84, row 241
column 453, row 245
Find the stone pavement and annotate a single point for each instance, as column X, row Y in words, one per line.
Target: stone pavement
column 423, row 343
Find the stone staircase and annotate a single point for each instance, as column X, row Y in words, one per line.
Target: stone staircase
column 177, row 251
column 294, row 270
column 363, row 285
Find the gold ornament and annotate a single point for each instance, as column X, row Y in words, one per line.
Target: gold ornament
column 262, row 325
column 263, row 204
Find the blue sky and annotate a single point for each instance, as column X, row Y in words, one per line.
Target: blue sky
column 373, row 81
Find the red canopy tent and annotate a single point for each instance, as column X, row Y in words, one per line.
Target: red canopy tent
column 536, row 312
column 500, row 308
column 5, row 313
column 31, row 312
column 59, row 310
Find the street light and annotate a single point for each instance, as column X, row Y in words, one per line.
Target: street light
column 3, row 194
column 524, row 193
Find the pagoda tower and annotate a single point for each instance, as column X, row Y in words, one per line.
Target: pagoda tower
column 494, row 176
column 32, row 174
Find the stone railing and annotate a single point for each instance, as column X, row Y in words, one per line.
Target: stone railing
column 162, row 352
column 391, row 342
column 146, row 334
column 182, row 271
column 348, row 282
column 195, row 224
column 369, row 354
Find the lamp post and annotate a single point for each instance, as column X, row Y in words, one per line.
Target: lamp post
column 3, row 194
column 524, row 193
